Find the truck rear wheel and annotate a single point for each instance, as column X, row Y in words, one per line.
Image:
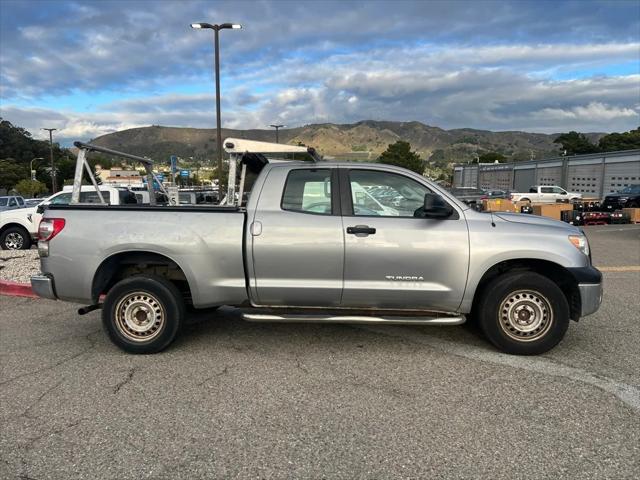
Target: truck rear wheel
column 523, row 313
column 143, row 314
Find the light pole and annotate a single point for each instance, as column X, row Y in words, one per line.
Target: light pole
column 33, row 172
column 53, row 170
column 216, row 29
column 477, row 159
column 277, row 127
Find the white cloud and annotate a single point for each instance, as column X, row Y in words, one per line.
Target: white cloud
column 435, row 62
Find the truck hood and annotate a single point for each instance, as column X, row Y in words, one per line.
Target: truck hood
column 536, row 220
column 18, row 213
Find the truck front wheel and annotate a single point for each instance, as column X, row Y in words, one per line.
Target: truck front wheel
column 15, row 238
column 143, row 314
column 523, row 313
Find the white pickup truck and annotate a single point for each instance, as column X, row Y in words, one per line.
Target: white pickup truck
column 546, row 194
column 19, row 227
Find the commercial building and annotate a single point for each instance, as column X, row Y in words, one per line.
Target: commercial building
column 593, row 175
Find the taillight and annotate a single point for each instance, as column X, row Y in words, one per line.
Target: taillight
column 49, row 228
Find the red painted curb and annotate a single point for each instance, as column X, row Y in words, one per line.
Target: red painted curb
column 15, row 289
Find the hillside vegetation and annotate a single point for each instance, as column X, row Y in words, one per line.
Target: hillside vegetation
column 364, row 140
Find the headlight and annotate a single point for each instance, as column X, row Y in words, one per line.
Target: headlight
column 580, row 242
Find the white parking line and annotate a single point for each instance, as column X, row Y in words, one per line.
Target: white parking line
column 628, row 394
column 607, row 230
column 621, row 268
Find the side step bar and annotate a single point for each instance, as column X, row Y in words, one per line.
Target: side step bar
column 360, row 319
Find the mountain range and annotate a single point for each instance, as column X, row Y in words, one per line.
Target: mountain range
column 363, row 140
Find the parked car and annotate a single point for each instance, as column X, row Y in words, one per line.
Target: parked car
column 494, row 194
column 10, row 202
column 307, row 248
column 628, row 197
column 546, row 194
column 19, row 227
column 468, row 195
column 32, row 202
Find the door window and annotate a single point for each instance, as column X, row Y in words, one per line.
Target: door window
column 546, row 190
column 308, row 191
column 13, row 203
column 20, row 201
column 376, row 193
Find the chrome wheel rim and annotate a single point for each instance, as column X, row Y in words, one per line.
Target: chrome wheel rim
column 14, row 241
column 525, row 315
column 140, row 317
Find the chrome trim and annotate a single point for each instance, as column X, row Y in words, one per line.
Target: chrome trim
column 42, row 285
column 360, row 319
column 590, row 297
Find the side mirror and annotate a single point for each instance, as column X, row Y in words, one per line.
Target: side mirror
column 436, row 207
column 40, row 209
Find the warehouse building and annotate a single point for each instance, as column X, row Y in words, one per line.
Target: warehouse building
column 593, row 175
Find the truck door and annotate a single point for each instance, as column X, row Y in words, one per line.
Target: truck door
column 297, row 239
column 394, row 259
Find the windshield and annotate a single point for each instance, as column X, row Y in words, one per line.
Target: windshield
column 633, row 189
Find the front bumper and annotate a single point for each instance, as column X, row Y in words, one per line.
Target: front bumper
column 590, row 298
column 589, row 280
column 42, row 285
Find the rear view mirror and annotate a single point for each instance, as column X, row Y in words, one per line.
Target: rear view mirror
column 436, row 207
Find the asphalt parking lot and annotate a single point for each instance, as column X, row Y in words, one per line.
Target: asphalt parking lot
column 238, row 400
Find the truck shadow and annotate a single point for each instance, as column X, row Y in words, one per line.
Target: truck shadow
column 226, row 327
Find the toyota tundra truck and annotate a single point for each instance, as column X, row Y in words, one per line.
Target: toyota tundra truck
column 318, row 241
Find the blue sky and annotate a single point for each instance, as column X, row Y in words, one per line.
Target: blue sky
column 93, row 67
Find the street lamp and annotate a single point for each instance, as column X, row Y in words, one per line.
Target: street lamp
column 277, row 127
column 33, row 172
column 216, row 29
column 53, row 170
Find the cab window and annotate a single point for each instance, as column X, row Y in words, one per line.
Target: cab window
column 308, row 191
column 62, row 199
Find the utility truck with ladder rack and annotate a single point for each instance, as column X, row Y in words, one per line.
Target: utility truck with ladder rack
column 304, row 240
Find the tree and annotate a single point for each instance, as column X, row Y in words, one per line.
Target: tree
column 491, row 157
column 400, row 154
column 11, row 172
column 30, row 188
column 620, row 141
column 575, row 143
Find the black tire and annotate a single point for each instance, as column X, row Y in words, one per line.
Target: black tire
column 15, row 238
column 523, row 313
column 162, row 317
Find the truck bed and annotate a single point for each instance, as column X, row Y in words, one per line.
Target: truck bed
column 206, row 242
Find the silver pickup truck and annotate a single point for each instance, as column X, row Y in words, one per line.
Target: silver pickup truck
column 321, row 242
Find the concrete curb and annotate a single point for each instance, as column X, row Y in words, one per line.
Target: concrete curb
column 15, row 289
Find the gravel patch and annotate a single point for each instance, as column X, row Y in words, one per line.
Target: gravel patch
column 19, row 265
